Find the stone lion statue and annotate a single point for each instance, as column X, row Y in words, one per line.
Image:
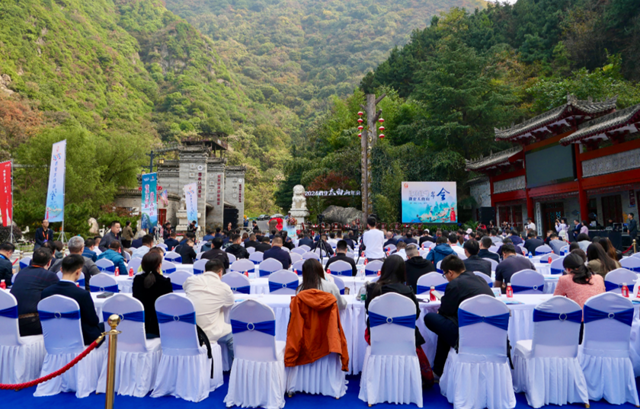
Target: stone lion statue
column 94, row 229
column 299, row 202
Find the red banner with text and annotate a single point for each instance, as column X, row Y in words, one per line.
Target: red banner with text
column 6, row 194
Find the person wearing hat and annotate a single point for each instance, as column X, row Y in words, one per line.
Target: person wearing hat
column 426, row 236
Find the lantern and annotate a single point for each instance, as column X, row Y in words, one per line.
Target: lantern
column 360, row 113
column 360, row 120
column 382, row 128
column 381, row 136
column 360, row 128
column 381, row 120
column 359, row 136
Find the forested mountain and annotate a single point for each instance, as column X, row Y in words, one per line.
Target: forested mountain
column 459, row 78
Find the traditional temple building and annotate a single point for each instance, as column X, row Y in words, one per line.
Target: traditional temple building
column 579, row 161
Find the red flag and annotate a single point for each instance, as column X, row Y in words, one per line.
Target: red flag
column 6, row 194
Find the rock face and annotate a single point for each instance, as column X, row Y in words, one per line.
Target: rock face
column 344, row 215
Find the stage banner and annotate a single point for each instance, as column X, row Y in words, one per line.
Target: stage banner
column 55, row 193
column 191, row 199
column 429, row 202
column 6, row 194
column 149, row 207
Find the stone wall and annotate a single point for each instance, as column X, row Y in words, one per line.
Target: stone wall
column 234, row 189
column 215, row 191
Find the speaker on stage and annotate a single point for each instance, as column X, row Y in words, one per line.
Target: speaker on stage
column 487, row 214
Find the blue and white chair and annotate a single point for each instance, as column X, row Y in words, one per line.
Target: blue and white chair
column 556, row 266
column 258, row 358
column 135, row 265
column 269, row 266
column 81, row 281
column 138, row 358
column 103, row 283
column 636, row 255
column 24, row 262
column 162, row 246
column 199, row 255
column 106, row 266
column 310, row 254
column 22, row 357
column 184, row 370
column 438, row 267
column 178, row 278
column 232, row 258
column 614, row 280
column 251, row 250
column 494, row 249
column 173, row 257
column 338, row 282
column 351, row 254
column 426, row 281
column 168, row 268
column 604, row 353
column 283, row 282
column 295, row 257
column 297, row 266
column 631, row 263
column 199, row 266
column 527, row 282
column 484, row 277
column 494, row 264
column 479, row 375
column 390, row 249
column 126, row 256
column 298, row 250
column 391, row 370
column 239, row 284
column 60, row 320
column 373, row 268
column 321, row 252
column 549, row 256
column 546, row 368
column 543, row 250
column 305, row 248
column 243, row 266
column 564, row 250
column 341, row 268
column 256, row 257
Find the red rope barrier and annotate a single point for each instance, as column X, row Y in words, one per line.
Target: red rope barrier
column 59, row 372
column 627, row 250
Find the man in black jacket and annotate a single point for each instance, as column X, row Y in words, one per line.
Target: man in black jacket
column 533, row 242
column 216, row 253
column 6, row 268
column 324, row 246
column 43, row 235
column 305, row 241
column 484, row 252
column 252, row 242
column 236, row 249
column 277, row 253
column 473, row 261
column 416, row 266
column 264, row 244
column 341, row 255
column 462, row 286
column 187, row 252
column 71, row 269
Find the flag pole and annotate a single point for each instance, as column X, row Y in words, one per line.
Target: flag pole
column 11, row 218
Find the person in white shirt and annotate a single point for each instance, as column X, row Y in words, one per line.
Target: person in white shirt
column 453, row 242
column 531, row 225
column 147, row 243
column 373, row 240
column 402, row 250
column 210, row 297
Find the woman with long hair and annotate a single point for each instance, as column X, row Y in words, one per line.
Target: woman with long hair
column 609, row 249
column 579, row 283
column 313, row 279
column 148, row 287
column 599, row 261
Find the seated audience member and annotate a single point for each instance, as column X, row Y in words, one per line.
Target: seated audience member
column 6, row 267
column 96, row 245
column 325, row 247
column 236, row 248
column 453, row 243
column 306, row 241
column 27, row 288
column 556, row 244
column 485, row 244
column 252, row 241
column 599, row 262
column 573, row 246
column 136, row 243
column 473, row 262
column 416, row 266
column 210, row 296
column 148, row 287
column 408, row 238
column 172, row 242
column 341, row 255
column 72, row 266
column 264, row 244
column 350, row 241
column 515, row 238
column 113, row 254
column 510, row 265
column 402, row 250
column 495, row 238
column 440, row 251
column 390, row 239
column 76, row 246
column 547, row 239
column 332, row 240
column 426, row 237
column 583, row 241
column 581, row 253
column 88, row 250
column 286, row 241
column 147, row 243
column 313, row 278
column 462, row 286
column 187, row 252
column 216, row 253
column 579, row 283
column 611, row 251
column 533, row 242
column 507, row 240
column 277, row 253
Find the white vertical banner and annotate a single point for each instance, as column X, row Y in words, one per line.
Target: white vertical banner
column 55, row 192
column 191, row 200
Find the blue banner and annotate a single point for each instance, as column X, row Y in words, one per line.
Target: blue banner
column 55, row 193
column 429, row 202
column 191, row 199
column 149, row 209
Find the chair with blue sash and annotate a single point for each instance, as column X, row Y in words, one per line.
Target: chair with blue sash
column 494, row 264
column 296, row 267
column 269, row 266
column 438, row 269
column 22, row 357
column 126, row 256
column 631, row 263
column 178, row 278
column 479, row 375
column 494, row 249
column 199, row 266
column 604, row 353
column 134, row 265
column 81, row 282
column 232, row 258
column 251, row 250
column 552, row 351
column 564, row 250
column 162, row 246
column 239, row 284
column 103, row 283
column 556, row 267
column 341, row 268
column 299, row 251
column 243, row 266
column 258, row 360
column 305, row 248
column 24, row 262
column 60, row 320
column 614, row 280
column 138, row 358
column 389, row 249
column 373, row 268
column 433, row 279
column 294, row 256
column 283, row 282
column 310, row 254
column 338, row 282
column 544, row 259
column 184, row 370
column 256, row 257
column 543, row 250
column 527, row 282
column 391, row 370
column 484, row 277
column 173, row 257
column 168, row 268
column 107, row 266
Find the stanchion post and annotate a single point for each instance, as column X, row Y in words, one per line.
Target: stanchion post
column 113, row 321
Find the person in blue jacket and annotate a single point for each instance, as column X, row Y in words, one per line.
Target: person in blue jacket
column 113, row 254
column 440, row 251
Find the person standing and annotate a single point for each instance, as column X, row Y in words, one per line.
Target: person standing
column 373, row 241
column 6, row 268
column 530, row 225
column 113, row 235
column 192, row 227
column 166, row 231
column 43, row 235
column 633, row 226
column 127, row 235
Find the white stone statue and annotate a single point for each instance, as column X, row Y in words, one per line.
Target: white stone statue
column 299, row 202
column 94, row 229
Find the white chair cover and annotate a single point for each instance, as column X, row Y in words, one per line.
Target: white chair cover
column 239, row 283
column 351, row 254
column 295, row 257
column 305, row 248
column 631, row 263
column 298, row 250
column 341, row 268
column 138, row 358
column 251, row 250
column 297, row 266
column 542, row 250
column 162, row 246
column 494, row 249
column 126, row 256
column 198, row 266
column 494, row 264
column 390, row 249
column 20, row 357
column 604, row 353
column 614, row 279
column 199, row 255
column 547, row 368
column 232, row 258
column 283, row 282
column 103, row 282
column 478, row 376
column 178, row 278
column 24, row 262
column 80, row 281
column 438, row 265
column 257, row 376
column 60, row 319
column 184, row 370
column 243, row 266
column 134, row 264
column 484, row 277
column 338, row 282
column 256, row 257
column 372, row 268
column 527, row 282
column 321, row 252
column 437, row 280
column 637, row 255
column 556, row 266
column 106, row 266
column 309, row 255
column 168, row 268
column 324, row 377
column 564, row 250
column 269, row 266
column 173, row 257
column 391, row 371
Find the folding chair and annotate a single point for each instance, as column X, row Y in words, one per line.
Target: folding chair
column 339, row 283
column 81, row 281
column 549, row 256
column 24, row 262
column 527, row 282
column 438, row 265
column 295, row 257
column 168, row 268
column 484, row 277
column 556, row 266
column 256, row 257
column 134, row 265
column 373, row 268
column 243, row 266
column 631, row 263
column 614, row 280
column 251, row 250
column 308, row 255
column 283, row 282
column 269, row 266
column 232, row 258
column 298, row 250
column 198, row 266
column 543, row 250
column 297, row 267
column 341, row 268
column 437, row 280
